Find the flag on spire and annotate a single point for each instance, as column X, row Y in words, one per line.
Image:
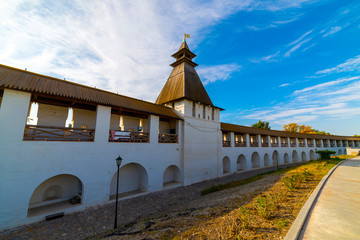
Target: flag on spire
column 186, row 36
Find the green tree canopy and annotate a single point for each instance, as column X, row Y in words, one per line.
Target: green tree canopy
column 261, row 124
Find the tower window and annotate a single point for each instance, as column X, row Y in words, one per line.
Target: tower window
column 193, row 109
column 204, row 110
column 212, row 114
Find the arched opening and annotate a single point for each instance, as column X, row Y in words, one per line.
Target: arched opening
column 255, row 160
column 303, row 156
column 241, row 163
column 345, row 151
column 275, row 157
column 312, row 155
column 286, row 158
column 266, row 160
column 226, row 165
column 55, row 194
column 295, row 156
column 340, row 152
column 133, row 179
column 171, row 177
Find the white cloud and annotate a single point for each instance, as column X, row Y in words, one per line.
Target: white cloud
column 326, row 84
column 332, row 30
column 337, row 99
column 352, row 64
column 273, row 24
column 211, row 74
column 297, row 46
column 121, row 46
column 284, row 84
column 300, row 38
column 268, row 58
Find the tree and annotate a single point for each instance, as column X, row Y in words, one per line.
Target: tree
column 291, row 127
column 325, row 154
column 294, row 127
column 261, row 124
column 306, row 129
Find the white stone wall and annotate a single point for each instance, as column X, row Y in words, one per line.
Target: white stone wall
column 84, row 117
column 67, row 186
column 27, row 164
column 50, row 115
column 202, row 139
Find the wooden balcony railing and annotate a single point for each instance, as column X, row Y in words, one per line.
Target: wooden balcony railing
column 318, row 145
column 124, row 136
column 168, row 138
column 326, row 145
column 292, row 144
column 301, row 144
column 255, row 144
column 333, row 145
column 240, row 144
column 44, row 133
column 265, row 144
column 275, row 145
column 310, row 145
column 226, row 143
column 284, row 145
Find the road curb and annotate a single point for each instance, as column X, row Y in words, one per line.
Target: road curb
column 298, row 224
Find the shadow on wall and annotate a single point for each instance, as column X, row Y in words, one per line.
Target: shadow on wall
column 55, row 194
column 133, row 179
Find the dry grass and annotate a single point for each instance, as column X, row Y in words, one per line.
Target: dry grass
column 265, row 210
column 270, row 214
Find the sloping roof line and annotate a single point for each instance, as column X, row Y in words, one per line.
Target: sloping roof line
column 19, row 79
column 184, row 82
column 227, row 127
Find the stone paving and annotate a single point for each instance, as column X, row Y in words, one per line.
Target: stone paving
column 336, row 214
column 100, row 219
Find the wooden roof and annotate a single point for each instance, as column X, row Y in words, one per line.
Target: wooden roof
column 184, row 82
column 18, row 79
column 227, row 127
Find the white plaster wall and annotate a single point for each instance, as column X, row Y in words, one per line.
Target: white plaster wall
column 50, row 115
column 352, row 151
column 115, row 122
column 69, row 187
column 234, row 152
column 164, row 127
column 131, row 123
column 132, row 177
column 92, row 162
column 202, row 139
column 84, row 117
column 172, row 174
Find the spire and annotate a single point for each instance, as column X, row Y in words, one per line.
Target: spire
column 184, row 82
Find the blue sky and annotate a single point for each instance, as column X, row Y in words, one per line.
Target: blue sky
column 279, row 61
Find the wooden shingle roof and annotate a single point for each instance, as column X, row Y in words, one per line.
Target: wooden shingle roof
column 18, row 79
column 184, row 82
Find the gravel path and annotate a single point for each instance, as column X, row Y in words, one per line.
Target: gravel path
column 100, row 219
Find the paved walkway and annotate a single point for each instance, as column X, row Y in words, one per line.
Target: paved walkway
column 336, row 214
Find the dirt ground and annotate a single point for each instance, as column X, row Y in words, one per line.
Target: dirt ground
column 185, row 215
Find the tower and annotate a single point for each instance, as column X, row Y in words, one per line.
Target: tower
column 184, row 92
